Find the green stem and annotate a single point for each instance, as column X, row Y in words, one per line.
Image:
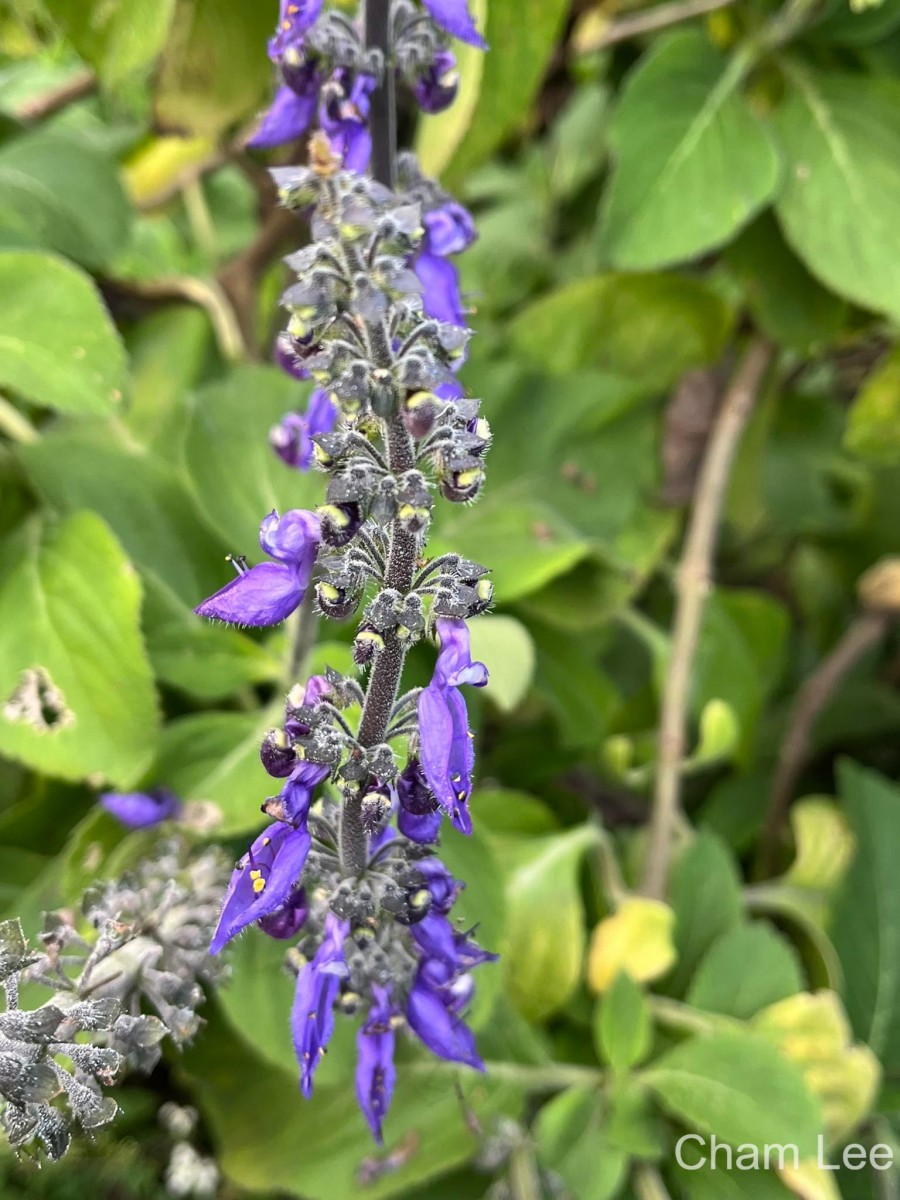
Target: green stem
column 15, row 426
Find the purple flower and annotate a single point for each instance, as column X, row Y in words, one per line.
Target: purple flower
column 344, row 115
column 290, row 115
column 269, row 592
column 375, row 1073
column 449, row 229
column 292, row 440
column 432, row 1013
column 287, row 358
column 448, row 756
column 440, row 883
column 138, row 810
column 289, row 919
column 436, row 88
column 312, row 1016
column 295, row 17
column 263, row 880
column 455, row 18
column 292, row 803
column 418, row 816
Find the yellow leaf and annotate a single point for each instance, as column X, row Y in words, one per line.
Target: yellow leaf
column 812, row 1030
column 825, row 844
column 155, row 167
column 636, row 940
column 809, row 1182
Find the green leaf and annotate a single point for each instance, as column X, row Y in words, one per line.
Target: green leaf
column 215, row 757
column 233, row 1086
column 526, row 543
column 840, row 206
column 569, row 675
column 622, row 1025
column 117, row 38
column 438, row 137
column 705, row 893
column 648, row 329
column 855, row 24
column 505, row 646
column 75, row 685
column 705, row 1182
column 58, row 346
column 546, row 937
column 235, row 475
column 745, row 969
column 578, row 140
column 258, row 995
column 737, row 1086
column 873, row 424
column 572, row 1143
column 792, row 308
column 212, row 72
column 692, row 162
column 139, row 494
column 527, row 31
column 62, row 194
column 865, row 926
column 505, row 811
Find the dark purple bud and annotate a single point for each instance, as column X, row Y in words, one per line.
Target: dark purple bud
column 375, row 809
column 286, row 921
column 277, row 754
column 420, row 411
column 436, row 87
column 419, row 816
column 340, row 522
column 337, row 603
column 461, row 479
column 367, row 645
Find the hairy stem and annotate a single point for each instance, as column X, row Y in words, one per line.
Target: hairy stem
column 862, row 634
column 693, row 584
column 401, row 559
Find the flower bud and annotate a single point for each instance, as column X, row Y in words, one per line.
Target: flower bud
column 340, row 522
column 337, row 603
column 375, row 809
column 277, row 754
column 367, row 645
column 420, row 412
column 461, row 480
column 285, row 922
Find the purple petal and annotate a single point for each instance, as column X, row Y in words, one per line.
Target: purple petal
column 443, row 887
column 461, row 761
column 312, row 1015
column 441, row 297
column 375, row 1072
column 454, row 16
column 296, row 795
column 454, row 665
column 287, row 358
column 435, row 937
column 436, row 88
column 449, row 229
column 138, row 810
column 440, row 1029
column 424, row 829
column 286, row 921
column 293, row 538
column 292, row 439
column 435, row 738
column 288, row 119
column 294, row 19
column 265, row 595
column 262, row 881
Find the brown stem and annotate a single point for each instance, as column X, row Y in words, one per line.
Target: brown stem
column 659, row 17
column 48, row 103
column 239, row 279
column 693, row 584
column 866, row 631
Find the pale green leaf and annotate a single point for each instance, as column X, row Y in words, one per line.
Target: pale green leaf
column 745, row 969
column 506, row 647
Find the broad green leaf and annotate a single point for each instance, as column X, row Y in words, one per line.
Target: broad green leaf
column 438, row 137
column 578, row 140
column 314, row 1148
column 214, row 757
column 235, row 475
column 856, row 24
column 505, row 646
column 792, row 308
column 746, row 969
column 526, row 543
column 693, row 164
column 705, row 893
column 197, row 657
column 543, row 960
column 840, row 206
column 813, row 1033
column 76, row 692
column 572, row 1143
column 117, row 38
column 873, row 424
column 570, row 677
column 622, row 1025
column 505, row 811
column 212, row 73
column 62, row 194
column 58, row 346
column 648, row 329
column 524, row 31
column 737, row 1086
column 141, row 497
column 705, row 1182
column 636, row 940
column 866, row 921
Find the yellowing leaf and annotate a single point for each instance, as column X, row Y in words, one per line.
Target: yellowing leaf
column 824, row 842
column 812, row 1031
column 154, row 169
column 636, row 940
column 809, row 1182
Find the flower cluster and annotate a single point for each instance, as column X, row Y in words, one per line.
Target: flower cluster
column 143, row 942
column 348, row 867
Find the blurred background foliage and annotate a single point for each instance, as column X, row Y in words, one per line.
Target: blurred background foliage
column 651, row 192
